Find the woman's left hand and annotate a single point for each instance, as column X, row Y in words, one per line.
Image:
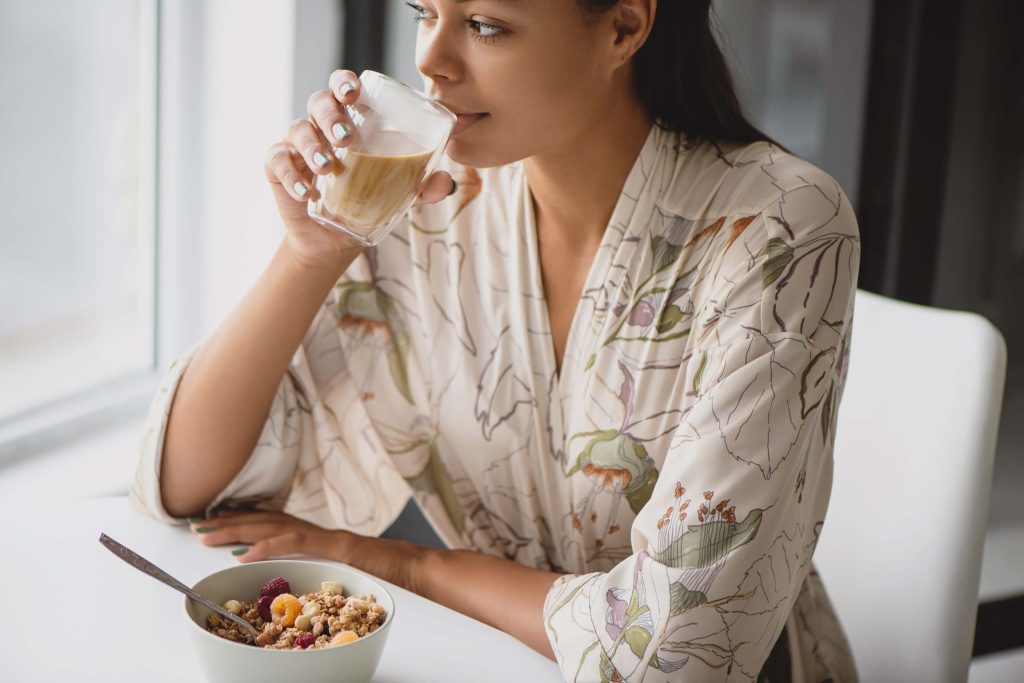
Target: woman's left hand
column 271, row 534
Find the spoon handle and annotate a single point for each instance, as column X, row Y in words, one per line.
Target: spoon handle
column 147, row 567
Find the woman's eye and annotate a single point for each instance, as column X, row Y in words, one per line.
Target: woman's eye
column 485, row 31
column 481, row 30
column 421, row 11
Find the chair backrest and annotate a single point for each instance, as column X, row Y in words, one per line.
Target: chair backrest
column 900, row 551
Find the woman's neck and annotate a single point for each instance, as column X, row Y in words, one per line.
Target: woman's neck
column 575, row 186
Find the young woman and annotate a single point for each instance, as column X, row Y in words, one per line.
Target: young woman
column 606, row 362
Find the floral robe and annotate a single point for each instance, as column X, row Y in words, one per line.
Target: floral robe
column 676, row 470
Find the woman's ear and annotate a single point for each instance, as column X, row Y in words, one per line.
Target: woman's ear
column 632, row 22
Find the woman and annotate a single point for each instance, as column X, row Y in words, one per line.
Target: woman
column 607, row 367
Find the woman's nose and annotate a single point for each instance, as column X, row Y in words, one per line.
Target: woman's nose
column 437, row 57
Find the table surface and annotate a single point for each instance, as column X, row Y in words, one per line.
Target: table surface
column 74, row 611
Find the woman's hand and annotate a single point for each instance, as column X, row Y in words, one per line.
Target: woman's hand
column 293, row 164
column 271, row 534
column 491, row 589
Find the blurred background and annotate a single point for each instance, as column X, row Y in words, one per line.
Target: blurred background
column 137, row 214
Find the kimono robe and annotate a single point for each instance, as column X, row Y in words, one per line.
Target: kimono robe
column 676, row 469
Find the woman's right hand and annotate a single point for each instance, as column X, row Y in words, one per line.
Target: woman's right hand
column 306, row 152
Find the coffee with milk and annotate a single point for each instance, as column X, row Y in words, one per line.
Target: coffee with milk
column 374, row 180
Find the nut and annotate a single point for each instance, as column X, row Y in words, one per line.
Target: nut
column 304, row 622
column 233, row 606
column 331, row 588
column 311, row 608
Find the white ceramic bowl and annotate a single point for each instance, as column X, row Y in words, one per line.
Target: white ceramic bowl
column 224, row 660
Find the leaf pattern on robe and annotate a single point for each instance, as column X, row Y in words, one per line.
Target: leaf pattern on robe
column 674, row 468
column 370, row 316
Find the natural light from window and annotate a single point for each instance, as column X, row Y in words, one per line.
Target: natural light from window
column 76, row 234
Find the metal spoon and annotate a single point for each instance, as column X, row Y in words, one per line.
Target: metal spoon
column 147, row 567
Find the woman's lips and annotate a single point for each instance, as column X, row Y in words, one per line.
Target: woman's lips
column 465, row 121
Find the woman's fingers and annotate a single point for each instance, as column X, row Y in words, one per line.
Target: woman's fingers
column 291, row 543
column 286, row 167
column 240, row 533
column 438, row 186
column 345, row 86
column 307, row 139
column 330, row 117
column 248, row 527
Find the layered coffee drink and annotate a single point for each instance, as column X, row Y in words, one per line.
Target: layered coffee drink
column 374, row 180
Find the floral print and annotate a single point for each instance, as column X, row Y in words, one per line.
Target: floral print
column 676, row 469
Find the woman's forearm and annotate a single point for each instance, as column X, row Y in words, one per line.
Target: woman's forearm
column 226, row 392
column 496, row 591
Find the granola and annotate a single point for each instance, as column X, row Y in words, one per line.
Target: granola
column 320, row 619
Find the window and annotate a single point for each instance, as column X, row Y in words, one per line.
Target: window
column 77, row 235
column 137, row 211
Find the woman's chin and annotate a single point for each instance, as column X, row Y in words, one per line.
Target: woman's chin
column 476, row 155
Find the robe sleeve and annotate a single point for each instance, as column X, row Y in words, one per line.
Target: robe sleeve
column 721, row 549
column 318, row 456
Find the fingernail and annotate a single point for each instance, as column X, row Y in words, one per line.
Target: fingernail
column 455, row 187
column 321, row 159
column 345, row 90
column 300, row 189
column 205, row 529
column 340, row 131
column 239, row 551
column 196, row 520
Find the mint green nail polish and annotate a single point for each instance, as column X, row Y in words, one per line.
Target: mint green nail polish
column 300, row 189
column 340, row 131
column 196, row 520
column 239, row 551
column 321, row 159
column 205, row 529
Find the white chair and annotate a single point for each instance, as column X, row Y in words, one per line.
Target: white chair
column 900, row 552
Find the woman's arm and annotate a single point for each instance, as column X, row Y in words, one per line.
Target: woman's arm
column 496, row 591
column 223, row 399
column 224, row 396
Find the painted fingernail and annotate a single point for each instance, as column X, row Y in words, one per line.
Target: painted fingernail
column 300, row 189
column 205, row 529
column 455, row 187
column 321, row 159
column 345, row 90
column 239, row 551
column 340, row 131
column 196, row 520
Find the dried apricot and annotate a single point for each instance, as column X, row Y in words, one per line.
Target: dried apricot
column 284, row 609
column 344, row 637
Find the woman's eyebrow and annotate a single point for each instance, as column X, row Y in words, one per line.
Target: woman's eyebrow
column 501, row 2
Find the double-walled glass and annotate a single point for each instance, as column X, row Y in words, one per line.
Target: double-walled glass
column 398, row 139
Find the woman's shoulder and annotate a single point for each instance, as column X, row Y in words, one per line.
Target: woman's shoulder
column 768, row 235
column 720, row 179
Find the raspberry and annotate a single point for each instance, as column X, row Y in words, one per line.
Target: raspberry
column 275, row 587
column 304, row 640
column 264, row 607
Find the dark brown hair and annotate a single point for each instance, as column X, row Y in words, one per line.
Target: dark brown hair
column 682, row 76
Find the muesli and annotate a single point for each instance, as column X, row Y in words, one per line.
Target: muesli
column 324, row 618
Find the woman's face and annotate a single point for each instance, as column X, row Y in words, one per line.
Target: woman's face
column 526, row 76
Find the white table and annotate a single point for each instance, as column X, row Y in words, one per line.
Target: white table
column 72, row 611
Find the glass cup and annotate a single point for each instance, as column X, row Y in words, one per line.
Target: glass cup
column 398, row 139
